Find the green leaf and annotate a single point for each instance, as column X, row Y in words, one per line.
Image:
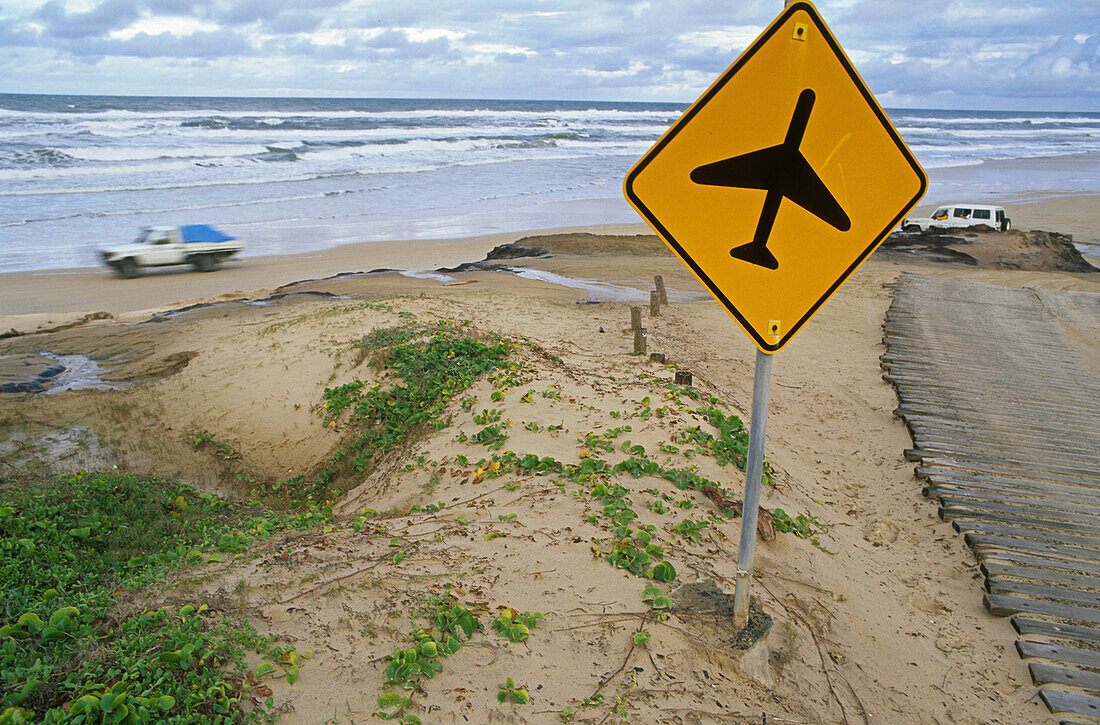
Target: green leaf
column 16, row 716
column 87, row 703
column 30, row 622
column 265, row 668
column 166, row 702
column 107, row 703
column 664, row 572
column 291, row 674
column 63, row 615
column 388, row 699
column 51, row 634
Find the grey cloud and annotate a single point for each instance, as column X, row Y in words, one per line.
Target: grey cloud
column 13, row 35
column 178, row 7
column 392, row 46
column 990, row 54
column 247, row 11
column 206, row 45
column 294, row 21
column 105, row 17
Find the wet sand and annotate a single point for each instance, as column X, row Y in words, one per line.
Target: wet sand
column 62, row 292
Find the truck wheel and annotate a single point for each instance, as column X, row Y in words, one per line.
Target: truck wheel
column 911, row 228
column 127, row 268
column 205, row 262
column 1007, row 225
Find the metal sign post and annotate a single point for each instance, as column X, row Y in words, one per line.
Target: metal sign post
column 772, row 188
column 754, row 469
column 754, row 472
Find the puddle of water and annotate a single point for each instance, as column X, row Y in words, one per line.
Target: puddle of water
column 597, row 291
column 80, row 373
column 602, row 291
column 421, row 274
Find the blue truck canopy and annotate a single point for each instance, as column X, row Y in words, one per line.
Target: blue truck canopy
column 203, row 233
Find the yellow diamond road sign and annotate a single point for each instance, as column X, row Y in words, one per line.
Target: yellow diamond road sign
column 780, row 180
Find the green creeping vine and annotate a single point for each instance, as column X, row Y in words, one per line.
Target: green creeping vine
column 804, row 526
column 633, row 549
column 509, row 692
column 435, row 362
column 630, row 549
column 731, row 444
column 69, row 547
column 516, row 626
column 451, row 624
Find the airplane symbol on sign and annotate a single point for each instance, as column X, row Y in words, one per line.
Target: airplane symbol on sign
column 782, row 171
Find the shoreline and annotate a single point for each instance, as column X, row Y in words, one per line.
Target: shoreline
column 43, row 298
column 97, row 289
column 321, row 228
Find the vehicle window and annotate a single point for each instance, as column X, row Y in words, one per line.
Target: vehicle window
column 160, row 240
column 961, row 213
column 1000, row 215
column 981, row 213
column 940, row 213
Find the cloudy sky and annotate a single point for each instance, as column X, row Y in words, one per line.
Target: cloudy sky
column 984, row 54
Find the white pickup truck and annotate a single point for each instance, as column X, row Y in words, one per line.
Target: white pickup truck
column 196, row 244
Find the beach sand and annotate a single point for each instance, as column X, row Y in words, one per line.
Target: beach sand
column 880, row 622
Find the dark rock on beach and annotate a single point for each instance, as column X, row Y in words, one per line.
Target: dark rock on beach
column 27, row 373
column 1035, row 250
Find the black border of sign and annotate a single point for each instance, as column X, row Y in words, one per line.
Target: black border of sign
column 703, row 100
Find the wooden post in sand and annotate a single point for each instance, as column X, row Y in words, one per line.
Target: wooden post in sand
column 660, row 282
column 654, row 303
column 638, row 330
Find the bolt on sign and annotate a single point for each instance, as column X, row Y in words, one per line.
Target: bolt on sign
column 780, row 180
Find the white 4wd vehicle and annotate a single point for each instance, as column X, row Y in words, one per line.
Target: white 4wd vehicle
column 953, row 216
column 196, row 244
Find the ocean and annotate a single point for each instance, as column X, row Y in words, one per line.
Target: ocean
column 294, row 175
